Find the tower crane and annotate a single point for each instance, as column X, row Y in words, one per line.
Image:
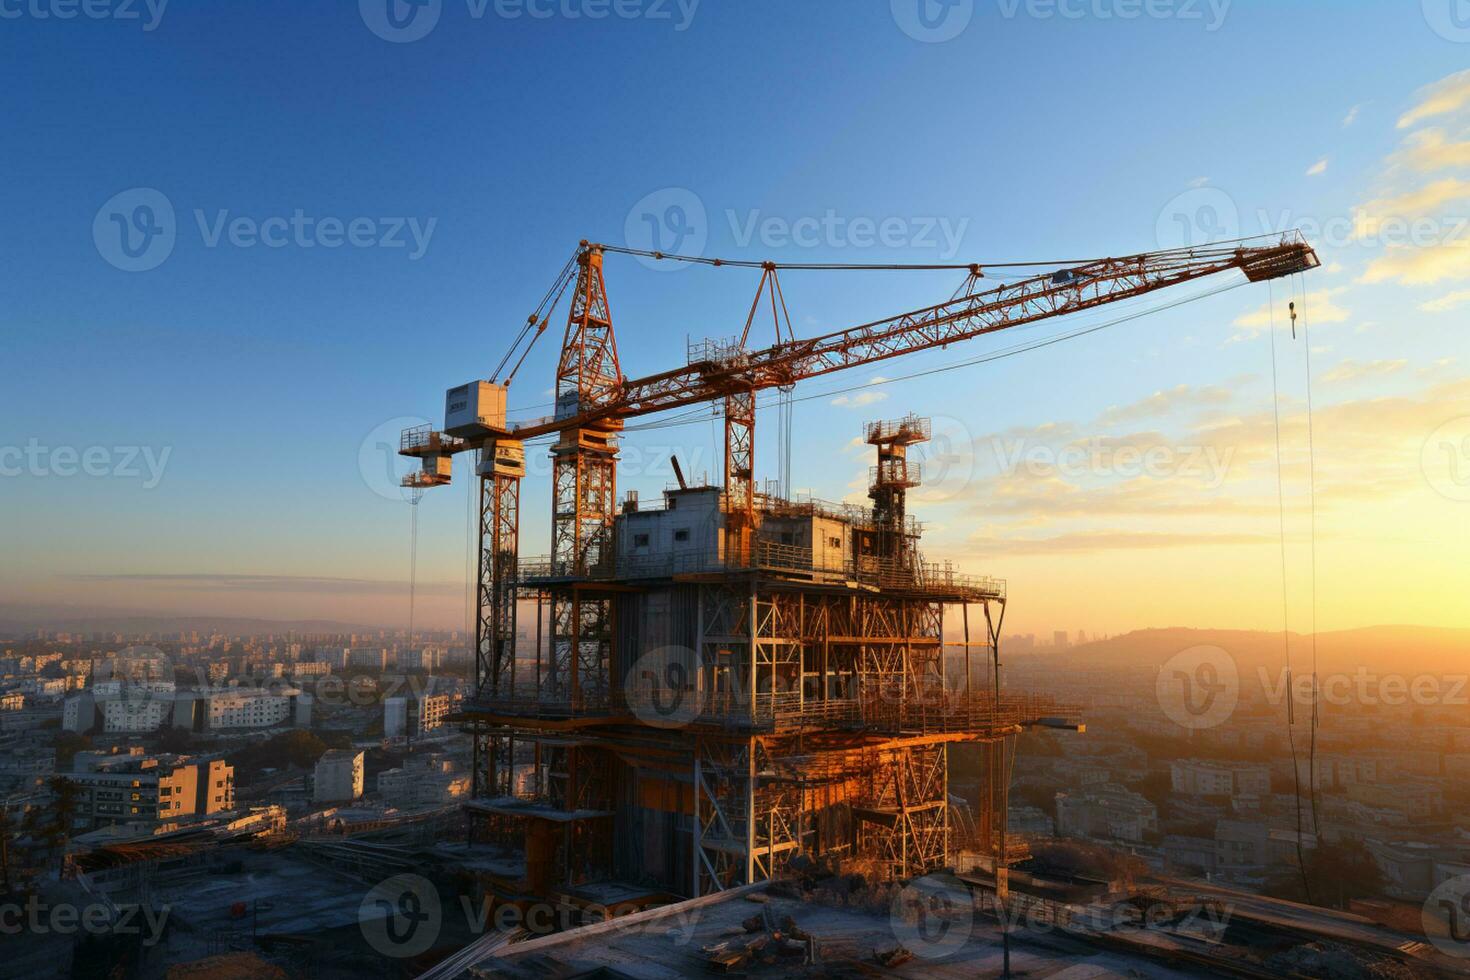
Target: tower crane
column 594, row 399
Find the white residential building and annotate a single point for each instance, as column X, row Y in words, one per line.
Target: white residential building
column 338, row 777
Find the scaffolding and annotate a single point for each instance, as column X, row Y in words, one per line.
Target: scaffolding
column 694, row 719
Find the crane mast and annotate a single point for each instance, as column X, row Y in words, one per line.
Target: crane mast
column 593, row 400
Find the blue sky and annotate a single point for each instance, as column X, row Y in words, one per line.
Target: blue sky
column 473, row 159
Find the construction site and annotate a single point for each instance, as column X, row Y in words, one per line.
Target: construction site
column 734, row 683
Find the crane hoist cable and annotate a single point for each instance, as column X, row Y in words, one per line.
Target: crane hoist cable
column 1312, row 504
column 1296, row 770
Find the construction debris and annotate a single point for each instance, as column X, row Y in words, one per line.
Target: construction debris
column 771, row 943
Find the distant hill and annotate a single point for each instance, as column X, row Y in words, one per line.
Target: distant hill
column 1377, row 648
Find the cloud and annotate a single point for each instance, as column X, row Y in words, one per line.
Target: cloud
column 1432, row 149
column 1352, row 115
column 1421, row 266
column 862, row 397
column 1444, row 96
column 1320, row 167
column 1350, row 370
column 1199, row 182
column 1165, row 403
column 1318, row 305
column 1447, row 302
column 1368, row 218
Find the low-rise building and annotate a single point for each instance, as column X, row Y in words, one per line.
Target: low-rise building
column 141, row 791
column 1194, row 777
column 338, row 777
column 1106, row 811
column 423, row 780
column 414, row 715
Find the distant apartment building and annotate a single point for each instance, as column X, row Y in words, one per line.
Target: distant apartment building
column 428, row 658
column 1410, row 800
column 369, row 658
column 249, row 708
column 338, row 777
column 423, row 781
column 311, row 668
column 1189, row 855
column 335, row 657
column 12, row 701
column 1106, row 811
column 1193, row 777
column 1241, row 846
column 136, row 790
column 124, row 708
column 414, row 715
column 1030, row 820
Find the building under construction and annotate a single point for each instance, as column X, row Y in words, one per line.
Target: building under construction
column 727, row 683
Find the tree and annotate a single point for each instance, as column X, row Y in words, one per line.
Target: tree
column 1336, row 873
